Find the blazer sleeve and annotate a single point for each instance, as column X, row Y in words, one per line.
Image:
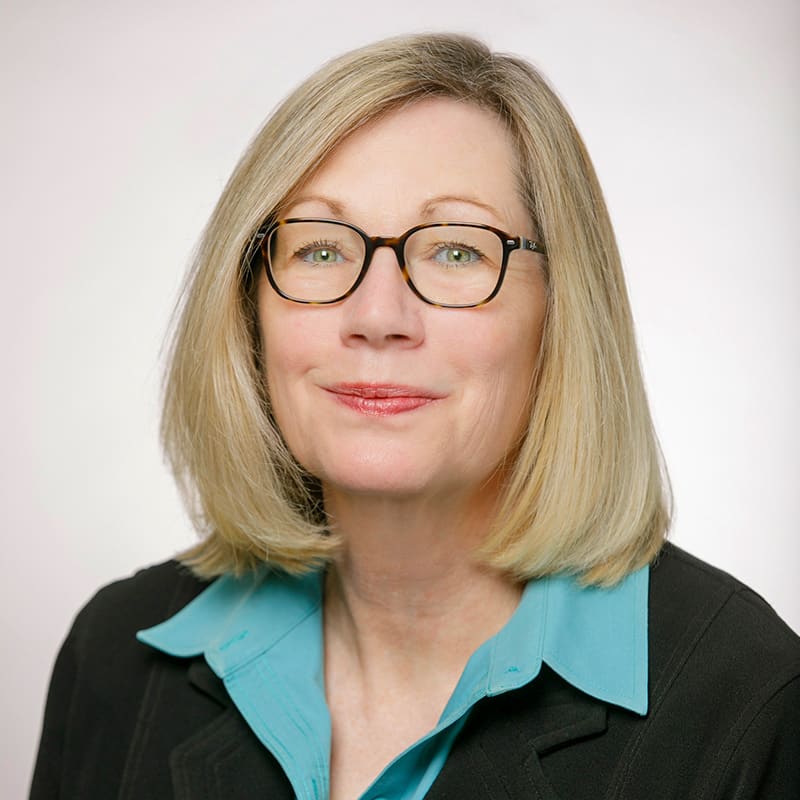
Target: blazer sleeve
column 48, row 770
column 98, row 682
column 765, row 759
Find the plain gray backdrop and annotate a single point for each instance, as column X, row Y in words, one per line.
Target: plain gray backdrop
column 120, row 125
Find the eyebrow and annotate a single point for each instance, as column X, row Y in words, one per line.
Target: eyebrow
column 428, row 208
column 336, row 208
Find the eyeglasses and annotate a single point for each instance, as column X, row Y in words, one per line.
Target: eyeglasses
column 446, row 264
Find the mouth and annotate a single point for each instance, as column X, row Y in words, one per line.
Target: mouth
column 382, row 399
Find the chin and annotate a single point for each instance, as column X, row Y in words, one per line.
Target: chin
column 397, row 483
column 394, row 475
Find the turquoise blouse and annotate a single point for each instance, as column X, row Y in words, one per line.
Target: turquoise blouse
column 262, row 636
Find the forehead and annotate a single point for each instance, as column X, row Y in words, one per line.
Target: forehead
column 436, row 149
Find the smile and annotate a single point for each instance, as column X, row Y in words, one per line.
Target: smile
column 382, row 399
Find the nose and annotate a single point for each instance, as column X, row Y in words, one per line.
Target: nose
column 383, row 311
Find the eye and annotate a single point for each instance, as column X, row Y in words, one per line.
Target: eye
column 456, row 253
column 320, row 253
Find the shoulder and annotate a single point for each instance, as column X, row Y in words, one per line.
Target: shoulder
column 724, row 676
column 103, row 671
column 118, row 610
column 691, row 601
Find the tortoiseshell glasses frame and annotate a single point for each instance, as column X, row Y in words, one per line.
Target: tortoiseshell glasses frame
column 268, row 235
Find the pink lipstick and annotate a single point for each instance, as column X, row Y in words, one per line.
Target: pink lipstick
column 382, row 399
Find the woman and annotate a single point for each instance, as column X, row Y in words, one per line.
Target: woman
column 405, row 406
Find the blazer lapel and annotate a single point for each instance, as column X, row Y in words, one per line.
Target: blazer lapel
column 498, row 753
column 224, row 760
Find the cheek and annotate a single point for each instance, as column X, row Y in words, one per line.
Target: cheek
column 285, row 348
column 498, row 371
column 291, row 337
column 508, row 346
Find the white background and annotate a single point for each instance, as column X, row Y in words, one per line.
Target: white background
column 120, row 125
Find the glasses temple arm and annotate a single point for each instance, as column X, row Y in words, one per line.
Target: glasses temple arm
column 529, row 244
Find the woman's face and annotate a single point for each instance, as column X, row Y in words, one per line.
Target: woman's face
column 382, row 393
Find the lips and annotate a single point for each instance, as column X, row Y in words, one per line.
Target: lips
column 382, row 399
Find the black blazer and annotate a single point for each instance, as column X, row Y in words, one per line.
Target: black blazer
column 126, row 722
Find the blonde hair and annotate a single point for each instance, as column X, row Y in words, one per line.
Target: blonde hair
column 587, row 492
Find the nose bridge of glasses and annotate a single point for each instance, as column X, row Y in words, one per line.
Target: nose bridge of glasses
column 395, row 243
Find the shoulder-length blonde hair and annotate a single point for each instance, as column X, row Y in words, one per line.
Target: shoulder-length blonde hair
column 587, row 493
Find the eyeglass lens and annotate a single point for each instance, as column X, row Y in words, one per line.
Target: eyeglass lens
column 448, row 264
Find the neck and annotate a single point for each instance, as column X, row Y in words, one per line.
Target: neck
column 406, row 590
column 405, row 607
